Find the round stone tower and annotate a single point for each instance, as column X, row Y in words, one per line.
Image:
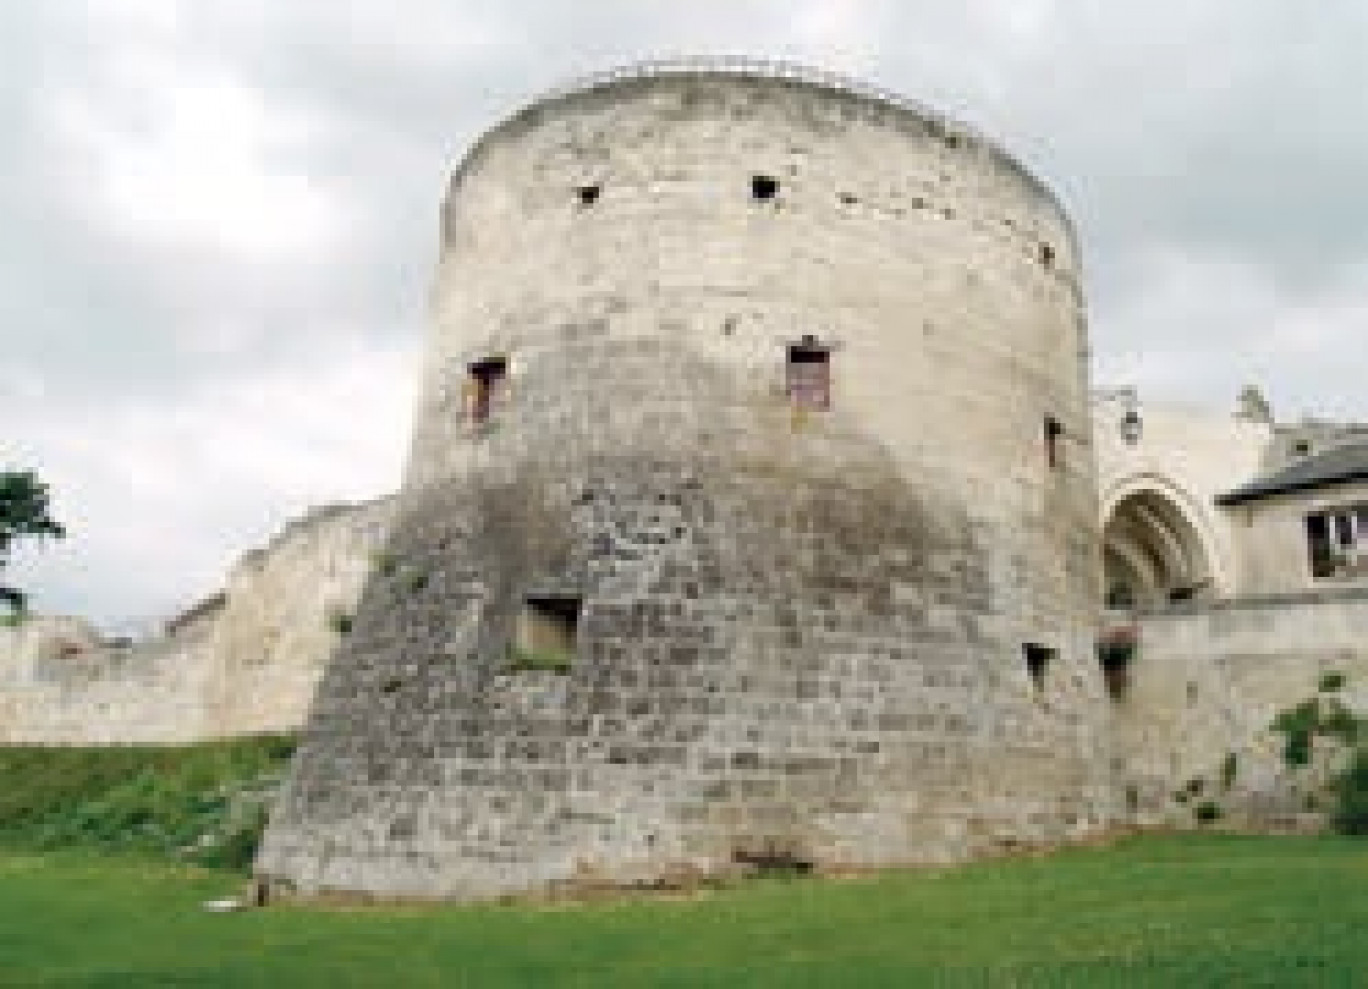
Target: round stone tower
column 750, row 513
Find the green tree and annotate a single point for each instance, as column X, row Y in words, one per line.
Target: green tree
column 24, row 512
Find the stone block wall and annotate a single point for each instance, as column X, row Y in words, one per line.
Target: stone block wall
column 61, row 685
column 247, row 663
column 803, row 633
column 1208, row 682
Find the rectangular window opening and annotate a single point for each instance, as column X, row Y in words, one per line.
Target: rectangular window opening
column 484, row 381
column 547, row 633
column 1319, row 546
column 1337, row 541
column 809, row 374
column 1054, row 429
column 1038, row 660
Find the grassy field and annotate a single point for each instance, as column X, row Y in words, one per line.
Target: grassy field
column 1180, row 911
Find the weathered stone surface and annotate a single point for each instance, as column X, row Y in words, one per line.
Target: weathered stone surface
column 246, row 661
column 802, row 632
column 1206, row 685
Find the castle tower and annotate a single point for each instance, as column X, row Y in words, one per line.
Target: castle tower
column 749, row 516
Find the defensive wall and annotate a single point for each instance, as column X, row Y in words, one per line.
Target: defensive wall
column 245, row 660
column 1192, row 724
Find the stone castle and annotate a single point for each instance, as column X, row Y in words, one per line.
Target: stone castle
column 758, row 511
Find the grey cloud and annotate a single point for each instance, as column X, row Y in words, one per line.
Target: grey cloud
column 1211, row 153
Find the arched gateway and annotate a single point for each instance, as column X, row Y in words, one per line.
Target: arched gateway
column 1153, row 551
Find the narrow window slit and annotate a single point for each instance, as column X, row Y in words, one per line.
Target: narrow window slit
column 484, row 381
column 808, row 374
column 1038, row 659
column 1054, row 429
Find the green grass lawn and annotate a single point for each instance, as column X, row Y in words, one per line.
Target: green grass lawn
column 1179, row 911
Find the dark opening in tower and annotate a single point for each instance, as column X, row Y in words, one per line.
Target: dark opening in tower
column 547, row 632
column 1038, row 659
column 764, row 187
column 484, row 381
column 808, row 374
column 1054, row 429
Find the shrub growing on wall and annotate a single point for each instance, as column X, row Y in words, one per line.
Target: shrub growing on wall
column 1299, row 727
column 1351, row 791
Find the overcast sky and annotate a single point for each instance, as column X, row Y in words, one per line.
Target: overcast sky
column 218, row 219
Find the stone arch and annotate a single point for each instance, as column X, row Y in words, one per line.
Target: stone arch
column 1157, row 545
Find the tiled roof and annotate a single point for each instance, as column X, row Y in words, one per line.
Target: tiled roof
column 1337, row 465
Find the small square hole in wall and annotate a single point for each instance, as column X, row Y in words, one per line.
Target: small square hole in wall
column 484, row 381
column 764, row 187
column 547, row 632
column 1038, row 659
column 588, row 194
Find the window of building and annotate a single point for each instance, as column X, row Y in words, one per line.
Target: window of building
column 484, row 382
column 1054, row 452
column 1337, row 542
column 588, row 194
column 808, row 374
column 547, row 633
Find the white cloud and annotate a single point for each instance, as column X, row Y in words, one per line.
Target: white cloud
column 159, row 495
column 181, row 159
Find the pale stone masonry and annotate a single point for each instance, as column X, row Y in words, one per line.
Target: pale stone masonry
column 751, row 518
column 840, row 616
column 246, row 660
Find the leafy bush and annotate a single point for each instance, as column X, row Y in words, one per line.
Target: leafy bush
column 1338, row 721
column 1299, row 726
column 204, row 803
column 1351, row 793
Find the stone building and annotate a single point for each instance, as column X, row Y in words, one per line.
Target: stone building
column 1233, row 549
column 692, row 565
column 758, row 513
column 1198, row 504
